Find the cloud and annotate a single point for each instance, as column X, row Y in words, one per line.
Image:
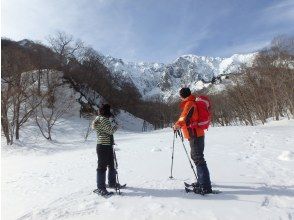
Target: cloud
column 151, row 30
column 248, row 47
column 282, row 11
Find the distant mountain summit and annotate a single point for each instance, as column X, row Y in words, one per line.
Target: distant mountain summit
column 164, row 80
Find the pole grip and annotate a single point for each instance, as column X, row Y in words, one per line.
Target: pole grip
column 180, row 135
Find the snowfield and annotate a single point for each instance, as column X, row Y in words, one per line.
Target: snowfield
column 252, row 166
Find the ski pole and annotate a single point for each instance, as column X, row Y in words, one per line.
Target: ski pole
column 172, row 162
column 182, row 139
column 116, row 173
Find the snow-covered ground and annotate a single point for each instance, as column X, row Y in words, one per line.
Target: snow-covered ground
column 252, row 166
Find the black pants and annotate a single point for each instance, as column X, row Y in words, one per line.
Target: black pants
column 197, row 155
column 105, row 157
column 197, row 149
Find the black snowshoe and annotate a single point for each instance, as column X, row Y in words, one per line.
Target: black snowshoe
column 195, row 187
column 117, row 186
column 103, row 192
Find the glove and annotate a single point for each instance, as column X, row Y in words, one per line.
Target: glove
column 176, row 127
column 94, row 124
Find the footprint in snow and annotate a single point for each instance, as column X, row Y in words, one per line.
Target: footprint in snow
column 155, row 206
column 265, row 201
column 110, row 206
column 156, row 149
column 286, row 156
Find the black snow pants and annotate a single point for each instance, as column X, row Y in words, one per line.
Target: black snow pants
column 197, row 155
column 105, row 159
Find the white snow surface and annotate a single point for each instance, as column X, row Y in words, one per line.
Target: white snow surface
column 55, row 180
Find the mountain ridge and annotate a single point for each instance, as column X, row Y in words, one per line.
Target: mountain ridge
column 164, row 80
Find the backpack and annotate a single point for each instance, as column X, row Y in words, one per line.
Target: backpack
column 204, row 113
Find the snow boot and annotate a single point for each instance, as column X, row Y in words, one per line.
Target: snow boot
column 201, row 191
column 104, row 192
column 206, row 191
column 195, row 185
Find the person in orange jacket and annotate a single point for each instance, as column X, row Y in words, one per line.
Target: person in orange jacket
column 195, row 136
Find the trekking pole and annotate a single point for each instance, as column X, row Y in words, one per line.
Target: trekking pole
column 117, row 185
column 172, row 162
column 182, row 139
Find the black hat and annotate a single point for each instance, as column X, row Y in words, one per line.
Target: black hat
column 104, row 110
column 185, row 92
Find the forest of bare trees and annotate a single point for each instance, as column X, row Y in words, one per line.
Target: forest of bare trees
column 260, row 92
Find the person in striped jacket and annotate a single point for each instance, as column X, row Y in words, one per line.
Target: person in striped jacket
column 104, row 149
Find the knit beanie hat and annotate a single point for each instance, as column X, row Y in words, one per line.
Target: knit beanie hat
column 185, row 92
column 104, row 110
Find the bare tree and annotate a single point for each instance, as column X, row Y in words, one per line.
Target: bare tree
column 65, row 47
column 55, row 104
column 16, row 91
column 90, row 118
column 6, row 105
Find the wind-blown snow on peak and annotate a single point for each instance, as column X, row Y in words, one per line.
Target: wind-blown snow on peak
column 229, row 65
column 164, row 80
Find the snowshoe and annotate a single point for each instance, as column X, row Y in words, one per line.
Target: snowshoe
column 117, row 186
column 192, row 185
column 201, row 191
column 103, row 192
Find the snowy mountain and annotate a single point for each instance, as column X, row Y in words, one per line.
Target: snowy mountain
column 164, row 80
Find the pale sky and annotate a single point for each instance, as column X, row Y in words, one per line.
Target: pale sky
column 153, row 30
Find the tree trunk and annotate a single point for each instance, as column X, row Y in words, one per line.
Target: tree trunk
column 17, row 131
column 5, row 128
column 39, row 82
column 17, row 109
column 49, row 133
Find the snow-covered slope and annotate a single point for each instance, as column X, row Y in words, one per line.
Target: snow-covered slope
column 164, row 80
column 129, row 122
column 252, row 166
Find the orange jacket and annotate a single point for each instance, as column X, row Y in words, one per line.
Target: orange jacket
column 189, row 114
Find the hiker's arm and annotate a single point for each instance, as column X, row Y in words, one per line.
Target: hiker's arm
column 185, row 116
column 106, row 127
column 94, row 123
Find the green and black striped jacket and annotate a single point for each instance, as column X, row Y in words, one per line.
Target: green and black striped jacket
column 104, row 130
